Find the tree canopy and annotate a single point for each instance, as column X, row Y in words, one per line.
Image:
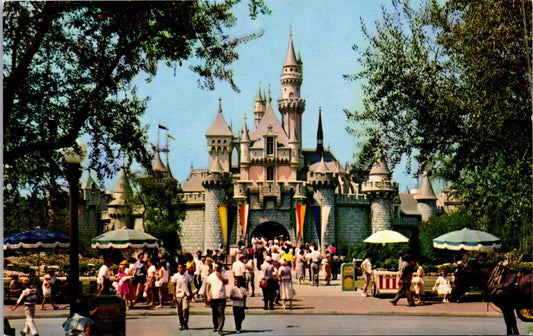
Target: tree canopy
column 448, row 85
column 68, row 68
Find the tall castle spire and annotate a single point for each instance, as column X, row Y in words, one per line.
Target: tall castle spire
column 320, row 134
column 291, row 105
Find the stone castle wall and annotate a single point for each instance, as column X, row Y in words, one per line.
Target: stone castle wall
column 193, row 229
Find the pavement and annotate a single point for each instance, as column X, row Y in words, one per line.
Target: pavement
column 321, row 300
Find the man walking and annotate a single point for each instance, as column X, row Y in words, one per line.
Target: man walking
column 216, row 296
column 404, row 281
column 29, row 298
column 366, row 268
column 104, row 275
column 182, row 295
column 269, row 292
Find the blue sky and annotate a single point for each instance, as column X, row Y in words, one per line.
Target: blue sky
column 323, row 33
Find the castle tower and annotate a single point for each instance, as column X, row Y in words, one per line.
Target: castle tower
column 119, row 209
column 245, row 151
column 259, row 107
column 219, row 141
column 217, row 180
column 93, row 202
column 291, row 105
column 426, row 201
column 324, row 182
column 381, row 191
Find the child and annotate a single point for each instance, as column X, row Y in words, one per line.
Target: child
column 47, row 292
column 238, row 295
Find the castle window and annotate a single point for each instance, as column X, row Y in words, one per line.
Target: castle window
column 219, row 141
column 270, row 173
column 291, row 95
column 270, row 145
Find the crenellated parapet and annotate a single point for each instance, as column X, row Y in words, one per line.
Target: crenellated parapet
column 380, row 189
column 322, row 180
column 216, row 179
column 293, row 105
column 196, row 197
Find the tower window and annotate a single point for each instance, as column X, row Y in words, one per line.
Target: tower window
column 270, row 145
column 270, row 173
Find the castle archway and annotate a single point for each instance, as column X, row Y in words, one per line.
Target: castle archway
column 271, row 231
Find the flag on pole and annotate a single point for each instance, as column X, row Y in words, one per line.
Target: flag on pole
column 170, row 136
column 227, row 216
column 244, row 212
column 300, row 218
column 324, row 217
column 163, row 127
column 318, row 226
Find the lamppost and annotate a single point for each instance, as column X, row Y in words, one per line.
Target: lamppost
column 73, row 158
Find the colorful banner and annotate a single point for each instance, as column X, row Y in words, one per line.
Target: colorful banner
column 316, row 216
column 227, row 217
column 324, row 217
column 244, row 212
column 300, row 219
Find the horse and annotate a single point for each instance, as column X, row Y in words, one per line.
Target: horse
column 508, row 289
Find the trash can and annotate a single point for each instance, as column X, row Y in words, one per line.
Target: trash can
column 109, row 314
column 348, row 276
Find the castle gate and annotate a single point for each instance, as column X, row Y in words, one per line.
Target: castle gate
column 271, row 231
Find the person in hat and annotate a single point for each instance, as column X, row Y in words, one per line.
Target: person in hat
column 269, row 293
column 285, row 283
column 29, row 298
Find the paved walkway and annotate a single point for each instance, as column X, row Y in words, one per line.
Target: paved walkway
column 311, row 300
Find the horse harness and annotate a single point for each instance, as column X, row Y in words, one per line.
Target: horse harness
column 496, row 282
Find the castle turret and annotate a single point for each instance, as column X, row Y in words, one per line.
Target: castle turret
column 291, row 105
column 426, row 199
column 324, row 181
column 245, row 151
column 259, row 107
column 93, row 201
column 381, row 191
column 120, row 209
column 217, row 180
column 219, row 141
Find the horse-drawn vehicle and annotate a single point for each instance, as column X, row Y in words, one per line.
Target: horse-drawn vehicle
column 508, row 289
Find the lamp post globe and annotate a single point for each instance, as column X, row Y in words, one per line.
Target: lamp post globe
column 73, row 158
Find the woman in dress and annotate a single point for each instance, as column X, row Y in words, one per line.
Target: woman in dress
column 300, row 265
column 419, row 286
column 285, row 283
column 443, row 286
column 124, row 283
column 162, row 277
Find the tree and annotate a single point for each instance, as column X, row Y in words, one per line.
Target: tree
column 68, row 68
column 163, row 210
column 449, row 85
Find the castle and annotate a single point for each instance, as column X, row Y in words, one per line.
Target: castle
column 274, row 176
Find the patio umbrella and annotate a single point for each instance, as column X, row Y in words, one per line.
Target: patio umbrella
column 467, row 239
column 36, row 239
column 386, row 237
column 124, row 239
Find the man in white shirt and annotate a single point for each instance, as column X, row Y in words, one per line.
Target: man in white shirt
column 181, row 281
column 104, row 276
column 316, row 259
column 366, row 268
column 239, row 269
column 216, row 296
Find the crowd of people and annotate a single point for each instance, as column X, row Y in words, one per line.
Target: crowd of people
column 148, row 280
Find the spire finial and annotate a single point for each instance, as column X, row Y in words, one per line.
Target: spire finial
column 219, row 105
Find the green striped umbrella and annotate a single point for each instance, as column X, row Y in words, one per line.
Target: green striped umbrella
column 467, row 239
column 123, row 239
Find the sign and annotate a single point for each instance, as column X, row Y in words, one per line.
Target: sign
column 109, row 313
